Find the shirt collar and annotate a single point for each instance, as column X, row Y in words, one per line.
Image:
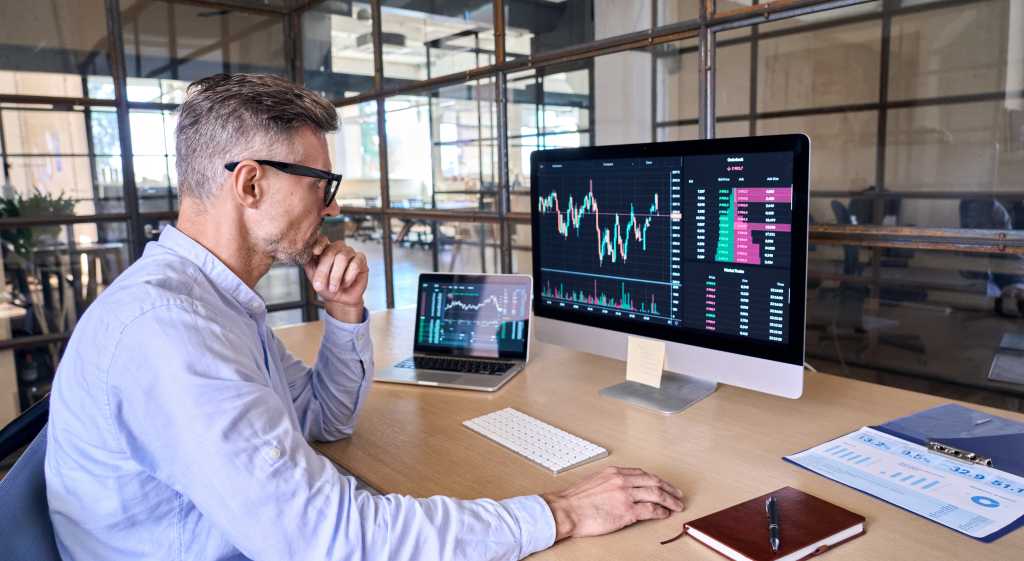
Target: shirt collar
column 222, row 277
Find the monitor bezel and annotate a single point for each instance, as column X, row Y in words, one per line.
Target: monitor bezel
column 487, row 278
column 791, row 352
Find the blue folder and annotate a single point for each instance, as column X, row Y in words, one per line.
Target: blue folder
column 994, row 437
column 999, row 439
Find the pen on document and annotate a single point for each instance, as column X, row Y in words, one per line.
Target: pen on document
column 771, row 508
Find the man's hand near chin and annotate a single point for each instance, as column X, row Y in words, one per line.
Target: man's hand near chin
column 339, row 275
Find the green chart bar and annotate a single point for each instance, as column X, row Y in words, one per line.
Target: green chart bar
column 422, row 330
column 726, row 213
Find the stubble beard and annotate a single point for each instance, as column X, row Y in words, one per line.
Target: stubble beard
column 289, row 256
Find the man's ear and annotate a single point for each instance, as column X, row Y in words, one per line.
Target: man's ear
column 246, row 184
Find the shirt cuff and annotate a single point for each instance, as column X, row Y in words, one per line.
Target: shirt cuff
column 349, row 339
column 536, row 523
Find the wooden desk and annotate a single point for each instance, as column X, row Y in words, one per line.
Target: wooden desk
column 721, row 451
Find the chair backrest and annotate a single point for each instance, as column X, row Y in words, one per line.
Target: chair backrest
column 26, row 533
column 22, row 430
column 985, row 214
column 851, row 254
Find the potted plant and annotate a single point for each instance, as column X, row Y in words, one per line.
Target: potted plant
column 29, row 291
column 36, row 205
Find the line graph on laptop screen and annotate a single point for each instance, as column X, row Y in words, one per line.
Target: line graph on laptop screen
column 489, row 318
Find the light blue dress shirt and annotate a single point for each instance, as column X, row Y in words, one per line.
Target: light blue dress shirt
column 179, row 429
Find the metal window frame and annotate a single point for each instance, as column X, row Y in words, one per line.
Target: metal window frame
column 704, row 28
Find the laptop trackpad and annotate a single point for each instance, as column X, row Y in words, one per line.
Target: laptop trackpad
column 438, row 377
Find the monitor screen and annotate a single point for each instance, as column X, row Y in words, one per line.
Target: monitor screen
column 700, row 242
column 473, row 315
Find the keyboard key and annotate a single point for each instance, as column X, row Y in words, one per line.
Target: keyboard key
column 471, row 366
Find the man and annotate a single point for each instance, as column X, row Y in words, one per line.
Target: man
column 179, row 423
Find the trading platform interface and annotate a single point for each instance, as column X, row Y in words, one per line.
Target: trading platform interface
column 696, row 242
column 482, row 318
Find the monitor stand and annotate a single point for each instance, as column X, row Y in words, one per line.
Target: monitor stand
column 677, row 392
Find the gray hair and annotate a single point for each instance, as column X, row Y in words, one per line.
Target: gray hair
column 231, row 117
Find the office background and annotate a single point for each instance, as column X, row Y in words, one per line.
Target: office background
column 915, row 109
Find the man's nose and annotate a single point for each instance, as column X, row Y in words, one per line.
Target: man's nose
column 332, row 209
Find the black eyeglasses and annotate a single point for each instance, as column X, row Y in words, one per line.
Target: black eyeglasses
column 333, row 179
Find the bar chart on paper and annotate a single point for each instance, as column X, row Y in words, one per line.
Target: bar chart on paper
column 842, row 453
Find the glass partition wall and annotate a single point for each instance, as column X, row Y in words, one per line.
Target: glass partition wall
column 915, row 110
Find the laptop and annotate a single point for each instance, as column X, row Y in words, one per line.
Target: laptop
column 472, row 332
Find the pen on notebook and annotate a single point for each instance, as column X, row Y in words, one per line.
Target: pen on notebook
column 771, row 508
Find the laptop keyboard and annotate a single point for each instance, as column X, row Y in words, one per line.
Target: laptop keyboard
column 462, row 365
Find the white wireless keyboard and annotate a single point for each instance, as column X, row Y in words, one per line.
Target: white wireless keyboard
column 550, row 447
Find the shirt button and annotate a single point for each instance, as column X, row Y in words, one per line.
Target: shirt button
column 274, row 453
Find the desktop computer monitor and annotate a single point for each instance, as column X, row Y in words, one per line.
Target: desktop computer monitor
column 701, row 244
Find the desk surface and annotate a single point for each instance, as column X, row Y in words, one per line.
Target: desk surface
column 721, row 451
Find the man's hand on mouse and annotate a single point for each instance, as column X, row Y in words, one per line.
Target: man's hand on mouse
column 610, row 500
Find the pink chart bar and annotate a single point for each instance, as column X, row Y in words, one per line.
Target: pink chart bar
column 761, row 227
column 764, row 195
column 745, row 251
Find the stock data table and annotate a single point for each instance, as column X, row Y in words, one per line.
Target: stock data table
column 695, row 241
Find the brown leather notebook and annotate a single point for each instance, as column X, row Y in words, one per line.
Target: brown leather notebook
column 808, row 526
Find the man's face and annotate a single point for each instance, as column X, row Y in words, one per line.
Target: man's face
column 289, row 225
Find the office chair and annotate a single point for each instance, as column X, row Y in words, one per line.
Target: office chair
column 990, row 214
column 862, row 209
column 812, row 283
column 850, row 299
column 1017, row 215
column 26, row 533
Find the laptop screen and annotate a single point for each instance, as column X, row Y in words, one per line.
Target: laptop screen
column 486, row 316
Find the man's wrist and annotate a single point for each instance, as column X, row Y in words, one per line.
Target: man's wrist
column 564, row 522
column 347, row 313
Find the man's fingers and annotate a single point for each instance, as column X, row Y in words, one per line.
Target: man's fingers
column 645, row 480
column 621, row 477
column 650, row 511
column 653, row 481
column 338, row 270
column 639, row 478
column 655, row 495
column 334, row 266
column 356, row 267
column 323, row 268
column 321, row 244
